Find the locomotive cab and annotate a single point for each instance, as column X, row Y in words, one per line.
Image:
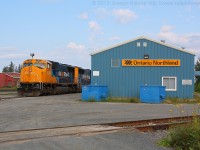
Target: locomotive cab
column 36, row 71
column 35, row 74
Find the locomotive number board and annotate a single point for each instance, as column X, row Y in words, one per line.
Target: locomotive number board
column 151, row 62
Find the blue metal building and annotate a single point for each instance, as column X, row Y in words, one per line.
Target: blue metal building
column 143, row 61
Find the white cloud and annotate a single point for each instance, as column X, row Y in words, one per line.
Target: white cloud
column 114, row 38
column 167, row 33
column 190, row 41
column 84, row 16
column 76, row 47
column 94, row 26
column 12, row 56
column 166, row 28
column 124, row 15
column 73, row 54
column 8, row 48
column 95, row 35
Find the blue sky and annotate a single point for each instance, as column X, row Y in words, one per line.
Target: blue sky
column 68, row 31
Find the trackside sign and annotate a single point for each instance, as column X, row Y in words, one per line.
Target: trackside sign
column 151, row 62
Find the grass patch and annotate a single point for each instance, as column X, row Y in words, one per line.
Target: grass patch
column 8, row 89
column 123, row 100
column 176, row 100
column 91, row 100
column 184, row 137
column 117, row 100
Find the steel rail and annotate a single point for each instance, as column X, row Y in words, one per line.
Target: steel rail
column 152, row 121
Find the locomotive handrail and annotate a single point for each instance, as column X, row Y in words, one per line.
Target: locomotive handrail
column 39, row 79
column 18, row 83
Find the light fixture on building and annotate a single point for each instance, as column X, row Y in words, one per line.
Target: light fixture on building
column 146, row 56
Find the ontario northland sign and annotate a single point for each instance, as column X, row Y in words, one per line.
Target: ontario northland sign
column 151, row 62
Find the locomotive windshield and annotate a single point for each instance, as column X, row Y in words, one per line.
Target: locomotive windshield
column 40, row 65
column 27, row 64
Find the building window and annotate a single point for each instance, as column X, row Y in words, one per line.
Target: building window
column 96, row 73
column 144, row 44
column 170, row 83
column 115, row 62
column 138, row 44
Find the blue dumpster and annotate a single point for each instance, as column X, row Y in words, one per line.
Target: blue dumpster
column 96, row 93
column 152, row 94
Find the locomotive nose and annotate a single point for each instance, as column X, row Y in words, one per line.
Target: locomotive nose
column 30, row 74
column 30, row 69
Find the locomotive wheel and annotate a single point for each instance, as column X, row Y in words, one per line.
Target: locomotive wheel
column 25, row 94
column 36, row 93
column 20, row 92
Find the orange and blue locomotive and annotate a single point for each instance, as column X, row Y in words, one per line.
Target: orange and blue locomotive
column 44, row 77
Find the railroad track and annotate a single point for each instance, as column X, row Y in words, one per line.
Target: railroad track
column 22, row 135
column 155, row 124
column 141, row 125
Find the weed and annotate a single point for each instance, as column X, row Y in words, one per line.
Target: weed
column 134, row 100
column 170, row 100
column 104, row 100
column 123, row 100
column 91, row 100
column 8, row 89
column 184, row 137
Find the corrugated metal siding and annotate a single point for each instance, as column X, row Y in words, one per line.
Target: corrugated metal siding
column 126, row 81
column 2, row 80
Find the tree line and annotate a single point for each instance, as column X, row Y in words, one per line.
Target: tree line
column 12, row 68
column 197, row 78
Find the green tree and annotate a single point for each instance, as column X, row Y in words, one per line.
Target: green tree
column 197, row 83
column 5, row 69
column 18, row 69
column 11, row 67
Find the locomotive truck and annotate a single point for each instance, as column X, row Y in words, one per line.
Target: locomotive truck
column 45, row 77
